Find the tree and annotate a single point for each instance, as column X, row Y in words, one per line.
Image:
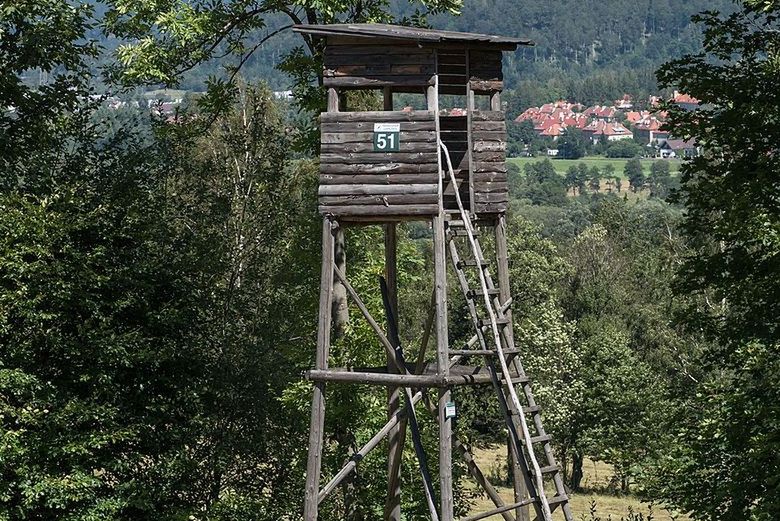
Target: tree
column 520, row 136
column 48, row 37
column 595, row 179
column 635, row 174
column 542, row 184
column 660, row 179
column 169, row 39
column 572, row 178
column 572, row 144
column 726, row 464
column 625, row 148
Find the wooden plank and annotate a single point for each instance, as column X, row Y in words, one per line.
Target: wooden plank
column 377, row 116
column 373, row 81
column 498, row 510
column 491, row 188
column 490, row 167
column 490, row 135
column 490, row 177
column 406, row 189
column 488, row 115
column 316, row 429
column 368, row 147
column 385, row 168
column 490, row 209
column 368, row 126
column 489, row 126
column 361, row 47
column 379, row 179
column 489, row 157
column 367, row 137
column 487, row 86
column 382, row 158
column 380, row 211
column 489, row 146
column 333, row 60
column 353, row 200
column 490, row 198
column 378, row 69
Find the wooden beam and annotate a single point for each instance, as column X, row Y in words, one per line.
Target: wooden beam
column 502, row 261
column 403, row 380
column 396, row 435
column 314, row 464
column 368, row 447
column 442, row 350
column 498, row 510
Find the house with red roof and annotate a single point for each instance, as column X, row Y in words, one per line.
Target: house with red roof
column 685, row 101
column 610, row 130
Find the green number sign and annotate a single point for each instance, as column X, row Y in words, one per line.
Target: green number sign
column 387, row 137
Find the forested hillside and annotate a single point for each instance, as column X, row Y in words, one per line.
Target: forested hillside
column 583, row 49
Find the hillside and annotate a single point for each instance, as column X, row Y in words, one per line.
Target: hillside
column 608, row 44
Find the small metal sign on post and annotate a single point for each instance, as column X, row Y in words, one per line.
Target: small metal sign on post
column 449, row 410
column 387, row 137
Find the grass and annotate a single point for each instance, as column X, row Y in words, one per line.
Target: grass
column 562, row 165
column 595, row 482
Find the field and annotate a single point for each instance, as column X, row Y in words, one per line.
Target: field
column 562, row 165
column 596, row 481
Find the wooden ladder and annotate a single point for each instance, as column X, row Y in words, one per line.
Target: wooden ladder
column 496, row 343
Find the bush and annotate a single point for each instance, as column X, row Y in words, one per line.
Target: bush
column 624, row 149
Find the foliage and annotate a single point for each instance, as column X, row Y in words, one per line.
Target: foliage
column 40, row 38
column 572, row 144
column 724, row 464
column 635, row 174
column 624, row 148
column 541, row 184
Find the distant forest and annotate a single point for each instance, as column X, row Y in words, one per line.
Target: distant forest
column 585, row 50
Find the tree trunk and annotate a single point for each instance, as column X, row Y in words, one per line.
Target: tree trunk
column 576, row 471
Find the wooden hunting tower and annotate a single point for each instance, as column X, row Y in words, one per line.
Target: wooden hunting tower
column 447, row 167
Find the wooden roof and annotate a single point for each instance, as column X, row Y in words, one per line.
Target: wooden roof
column 398, row 32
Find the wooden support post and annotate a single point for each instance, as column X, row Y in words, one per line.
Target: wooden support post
column 495, row 101
column 388, row 98
column 340, row 304
column 469, row 130
column 314, row 464
column 397, row 434
column 442, row 349
column 502, row 262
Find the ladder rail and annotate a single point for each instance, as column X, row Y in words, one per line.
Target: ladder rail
column 497, row 338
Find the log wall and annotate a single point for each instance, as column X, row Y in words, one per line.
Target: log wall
column 379, row 64
column 356, row 181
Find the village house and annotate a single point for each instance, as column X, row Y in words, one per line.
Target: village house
column 599, row 129
column 678, row 148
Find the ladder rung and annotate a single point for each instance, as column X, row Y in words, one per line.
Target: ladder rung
column 477, row 293
column 499, row 322
column 471, row 263
column 482, row 352
column 557, row 500
column 461, row 232
column 541, row 439
column 532, row 410
column 549, row 469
